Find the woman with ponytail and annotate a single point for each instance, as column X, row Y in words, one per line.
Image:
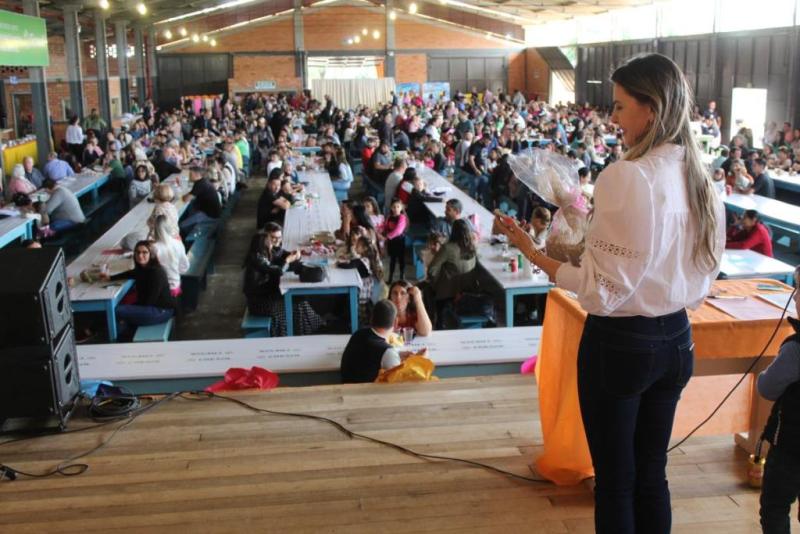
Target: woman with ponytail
column 653, row 248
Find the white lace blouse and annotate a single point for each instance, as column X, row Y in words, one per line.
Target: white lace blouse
column 638, row 257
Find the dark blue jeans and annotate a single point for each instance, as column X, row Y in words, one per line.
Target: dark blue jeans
column 780, row 489
column 631, row 371
column 130, row 316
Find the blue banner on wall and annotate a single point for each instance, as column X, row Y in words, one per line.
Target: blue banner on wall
column 436, row 91
column 407, row 88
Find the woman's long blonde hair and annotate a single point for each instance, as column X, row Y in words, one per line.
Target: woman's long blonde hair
column 655, row 80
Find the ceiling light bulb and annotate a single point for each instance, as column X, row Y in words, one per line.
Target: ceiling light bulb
column 141, row 8
column 357, row 39
column 376, row 34
column 104, row 4
column 183, row 32
column 364, row 32
column 508, row 36
column 213, row 42
column 350, row 41
column 412, row 8
column 393, row 15
column 195, row 38
column 168, row 34
column 205, row 38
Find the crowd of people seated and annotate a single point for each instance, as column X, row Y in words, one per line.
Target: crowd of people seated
column 467, row 138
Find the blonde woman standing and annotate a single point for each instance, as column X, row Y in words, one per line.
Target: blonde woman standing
column 652, row 250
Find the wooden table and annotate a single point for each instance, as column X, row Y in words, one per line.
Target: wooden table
column 724, row 349
column 105, row 296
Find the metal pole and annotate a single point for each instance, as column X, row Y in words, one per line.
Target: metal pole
column 41, row 110
column 152, row 63
column 72, row 47
column 141, row 88
column 103, row 94
column 389, row 61
column 121, row 35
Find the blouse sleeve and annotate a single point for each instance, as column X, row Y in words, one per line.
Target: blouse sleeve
column 619, row 242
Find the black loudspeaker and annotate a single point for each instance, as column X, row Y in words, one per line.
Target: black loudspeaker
column 39, row 385
column 34, row 297
column 39, row 377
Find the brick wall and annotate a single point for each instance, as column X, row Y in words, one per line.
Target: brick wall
column 413, row 34
column 247, row 70
column 411, row 68
column 329, row 29
column 271, row 36
column 537, row 79
column 516, row 71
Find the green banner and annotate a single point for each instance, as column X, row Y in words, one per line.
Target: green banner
column 23, row 41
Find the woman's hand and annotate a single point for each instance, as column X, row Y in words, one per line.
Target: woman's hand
column 516, row 234
column 415, row 293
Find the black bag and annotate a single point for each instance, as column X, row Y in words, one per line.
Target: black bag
column 311, row 273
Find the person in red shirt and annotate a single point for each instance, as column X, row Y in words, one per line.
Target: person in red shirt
column 752, row 235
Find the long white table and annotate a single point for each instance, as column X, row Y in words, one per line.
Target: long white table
column 211, row 358
column 14, row 228
column 738, row 264
column 300, row 224
column 788, row 182
column 773, row 212
column 104, row 296
column 524, row 281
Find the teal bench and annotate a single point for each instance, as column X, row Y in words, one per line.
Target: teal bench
column 194, row 279
column 154, row 332
column 470, row 322
column 206, row 230
column 256, row 325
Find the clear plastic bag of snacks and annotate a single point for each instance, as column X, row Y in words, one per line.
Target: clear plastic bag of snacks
column 555, row 178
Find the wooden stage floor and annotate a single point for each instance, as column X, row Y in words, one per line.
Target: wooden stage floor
column 212, row 466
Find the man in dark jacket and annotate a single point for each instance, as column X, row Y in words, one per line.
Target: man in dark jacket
column 368, row 350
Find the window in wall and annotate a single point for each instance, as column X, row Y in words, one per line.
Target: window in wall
column 673, row 19
column 344, row 68
column 595, row 28
column 560, row 32
column 737, row 15
column 634, row 23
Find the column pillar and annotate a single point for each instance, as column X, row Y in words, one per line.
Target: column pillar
column 103, row 94
column 141, row 83
column 121, row 36
column 152, row 64
column 72, row 48
column 300, row 66
column 389, row 61
column 41, row 110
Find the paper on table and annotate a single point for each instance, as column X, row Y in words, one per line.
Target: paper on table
column 746, row 309
column 780, row 300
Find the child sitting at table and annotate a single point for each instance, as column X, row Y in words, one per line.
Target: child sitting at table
column 750, row 234
column 539, row 226
column 368, row 263
column 395, row 232
column 780, row 382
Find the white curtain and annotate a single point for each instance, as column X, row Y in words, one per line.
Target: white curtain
column 349, row 94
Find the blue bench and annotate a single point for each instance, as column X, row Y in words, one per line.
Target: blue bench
column 256, row 325
column 203, row 231
column 194, row 279
column 154, row 332
column 470, row 322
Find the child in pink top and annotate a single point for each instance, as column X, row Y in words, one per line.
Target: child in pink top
column 395, row 230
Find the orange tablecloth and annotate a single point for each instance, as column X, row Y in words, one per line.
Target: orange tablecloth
column 566, row 457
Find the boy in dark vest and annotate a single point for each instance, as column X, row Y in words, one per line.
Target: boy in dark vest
column 781, row 382
column 368, row 350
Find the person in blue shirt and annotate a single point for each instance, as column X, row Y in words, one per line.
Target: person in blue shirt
column 32, row 173
column 57, row 169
